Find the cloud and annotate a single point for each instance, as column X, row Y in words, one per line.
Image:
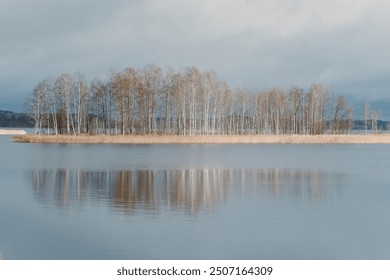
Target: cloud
column 253, row 43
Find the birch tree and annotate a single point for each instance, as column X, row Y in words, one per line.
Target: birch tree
column 186, row 102
column 98, row 105
column 374, row 121
column 63, row 89
column 35, row 106
column 366, row 115
column 80, row 93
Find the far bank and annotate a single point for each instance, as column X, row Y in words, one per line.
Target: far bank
column 12, row 132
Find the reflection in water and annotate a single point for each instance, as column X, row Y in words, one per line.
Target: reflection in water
column 190, row 190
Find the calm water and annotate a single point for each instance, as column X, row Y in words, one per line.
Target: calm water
column 194, row 201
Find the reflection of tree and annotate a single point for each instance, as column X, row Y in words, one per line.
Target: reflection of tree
column 189, row 190
column 134, row 190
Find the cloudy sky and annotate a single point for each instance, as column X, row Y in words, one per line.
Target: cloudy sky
column 344, row 44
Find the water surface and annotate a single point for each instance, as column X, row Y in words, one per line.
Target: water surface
column 61, row 201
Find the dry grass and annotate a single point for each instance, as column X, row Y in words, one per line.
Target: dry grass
column 210, row 139
column 12, row 132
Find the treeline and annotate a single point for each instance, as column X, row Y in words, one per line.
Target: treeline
column 160, row 101
column 12, row 119
column 371, row 125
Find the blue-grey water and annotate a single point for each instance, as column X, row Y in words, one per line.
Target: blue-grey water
column 75, row 201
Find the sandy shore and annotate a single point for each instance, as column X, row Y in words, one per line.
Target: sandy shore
column 202, row 139
column 12, row 132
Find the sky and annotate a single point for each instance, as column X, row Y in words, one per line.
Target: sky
column 258, row 44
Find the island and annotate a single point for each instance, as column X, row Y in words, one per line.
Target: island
column 208, row 139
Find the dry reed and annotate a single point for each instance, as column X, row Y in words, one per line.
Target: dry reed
column 208, row 139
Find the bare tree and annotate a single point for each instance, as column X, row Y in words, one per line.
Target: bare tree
column 167, row 100
column 80, row 93
column 342, row 120
column 374, row 121
column 186, row 102
column 35, row 106
column 296, row 110
column 98, row 105
column 366, row 115
column 63, row 90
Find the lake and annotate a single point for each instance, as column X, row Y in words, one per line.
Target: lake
column 61, row 201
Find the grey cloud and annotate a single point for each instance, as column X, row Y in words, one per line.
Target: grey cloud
column 257, row 44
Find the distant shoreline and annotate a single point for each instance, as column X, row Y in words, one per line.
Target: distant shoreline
column 12, row 132
column 208, row 139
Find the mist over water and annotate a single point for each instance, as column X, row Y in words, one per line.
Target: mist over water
column 194, row 201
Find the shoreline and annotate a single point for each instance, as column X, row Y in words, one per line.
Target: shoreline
column 12, row 132
column 207, row 139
